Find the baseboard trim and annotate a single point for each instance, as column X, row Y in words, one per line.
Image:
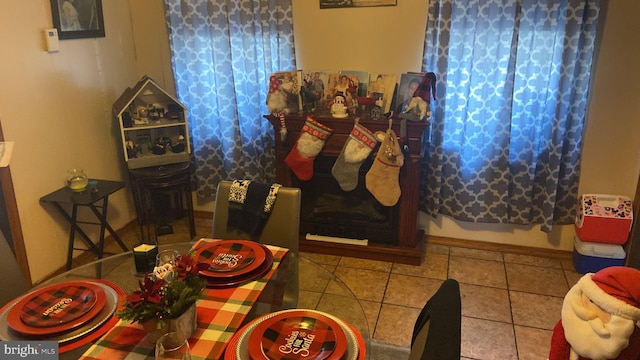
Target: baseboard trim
column 509, row 248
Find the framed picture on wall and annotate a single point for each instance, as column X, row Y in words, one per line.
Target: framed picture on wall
column 77, row 19
column 330, row 4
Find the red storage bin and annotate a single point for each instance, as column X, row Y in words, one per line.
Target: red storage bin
column 604, row 218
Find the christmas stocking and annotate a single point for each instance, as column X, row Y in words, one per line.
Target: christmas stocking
column 383, row 178
column 355, row 151
column 307, row 147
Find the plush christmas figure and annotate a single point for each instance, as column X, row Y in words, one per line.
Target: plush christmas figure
column 600, row 317
column 355, row 151
column 383, row 178
column 277, row 104
column 309, row 144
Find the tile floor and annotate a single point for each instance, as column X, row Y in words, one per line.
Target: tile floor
column 510, row 302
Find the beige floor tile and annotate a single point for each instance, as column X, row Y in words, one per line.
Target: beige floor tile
column 365, row 284
column 572, row 277
column 395, row 324
column 485, row 303
column 487, row 340
column 434, row 266
column 330, row 268
column 312, row 278
column 476, row 254
column 532, row 260
column 410, row 291
column 536, row 280
column 568, row 264
column 532, row 310
column 371, row 310
column 321, row 258
column 337, row 287
column 437, row 249
column 346, row 309
column 365, row 264
column 308, row 299
column 477, row 272
column 533, row 344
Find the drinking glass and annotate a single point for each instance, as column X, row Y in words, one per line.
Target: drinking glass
column 172, row 345
column 167, row 257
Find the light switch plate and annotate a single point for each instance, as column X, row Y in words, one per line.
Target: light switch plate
column 51, row 36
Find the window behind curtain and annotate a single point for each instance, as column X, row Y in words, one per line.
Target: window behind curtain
column 222, row 54
column 512, row 91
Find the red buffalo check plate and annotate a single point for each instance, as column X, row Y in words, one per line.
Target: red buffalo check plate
column 231, row 258
column 214, row 282
column 298, row 334
column 57, row 308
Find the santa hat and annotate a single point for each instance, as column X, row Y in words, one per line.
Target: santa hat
column 615, row 289
column 427, row 87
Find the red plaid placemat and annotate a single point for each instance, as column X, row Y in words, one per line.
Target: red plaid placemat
column 220, row 314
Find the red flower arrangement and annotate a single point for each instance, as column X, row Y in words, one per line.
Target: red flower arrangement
column 166, row 294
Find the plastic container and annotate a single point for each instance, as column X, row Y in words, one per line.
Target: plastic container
column 589, row 257
column 604, row 218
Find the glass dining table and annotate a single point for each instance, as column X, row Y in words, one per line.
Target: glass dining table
column 319, row 289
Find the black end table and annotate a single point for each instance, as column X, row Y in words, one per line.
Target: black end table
column 97, row 200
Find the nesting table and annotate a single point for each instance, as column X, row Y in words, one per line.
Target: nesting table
column 170, row 180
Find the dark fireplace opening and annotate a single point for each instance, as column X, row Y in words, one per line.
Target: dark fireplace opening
column 327, row 210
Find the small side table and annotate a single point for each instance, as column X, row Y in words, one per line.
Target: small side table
column 90, row 199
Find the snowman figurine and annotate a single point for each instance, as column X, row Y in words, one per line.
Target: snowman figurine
column 338, row 107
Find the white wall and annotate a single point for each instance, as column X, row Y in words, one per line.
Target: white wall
column 57, row 109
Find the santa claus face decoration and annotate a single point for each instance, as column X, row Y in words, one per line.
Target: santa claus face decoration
column 599, row 317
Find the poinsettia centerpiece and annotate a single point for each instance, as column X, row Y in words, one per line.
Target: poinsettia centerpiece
column 167, row 293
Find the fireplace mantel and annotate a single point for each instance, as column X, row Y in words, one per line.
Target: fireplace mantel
column 410, row 247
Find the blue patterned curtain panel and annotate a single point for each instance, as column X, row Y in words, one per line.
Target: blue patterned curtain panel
column 222, row 54
column 506, row 134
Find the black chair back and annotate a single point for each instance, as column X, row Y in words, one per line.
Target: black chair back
column 437, row 331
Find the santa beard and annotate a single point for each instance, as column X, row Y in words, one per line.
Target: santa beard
column 588, row 335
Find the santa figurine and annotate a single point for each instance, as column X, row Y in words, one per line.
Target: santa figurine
column 600, row 317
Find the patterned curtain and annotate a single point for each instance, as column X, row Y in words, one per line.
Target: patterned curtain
column 222, row 53
column 506, row 133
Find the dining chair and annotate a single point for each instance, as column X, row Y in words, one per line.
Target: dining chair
column 12, row 282
column 281, row 228
column 437, row 331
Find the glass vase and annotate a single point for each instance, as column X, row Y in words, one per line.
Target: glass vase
column 77, row 180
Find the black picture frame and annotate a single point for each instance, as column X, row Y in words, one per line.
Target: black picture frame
column 77, row 19
column 333, row 4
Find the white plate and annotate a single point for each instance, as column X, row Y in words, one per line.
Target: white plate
column 242, row 348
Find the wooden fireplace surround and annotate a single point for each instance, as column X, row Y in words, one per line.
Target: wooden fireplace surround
column 410, row 247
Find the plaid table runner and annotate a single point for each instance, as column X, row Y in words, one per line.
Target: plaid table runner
column 220, row 314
